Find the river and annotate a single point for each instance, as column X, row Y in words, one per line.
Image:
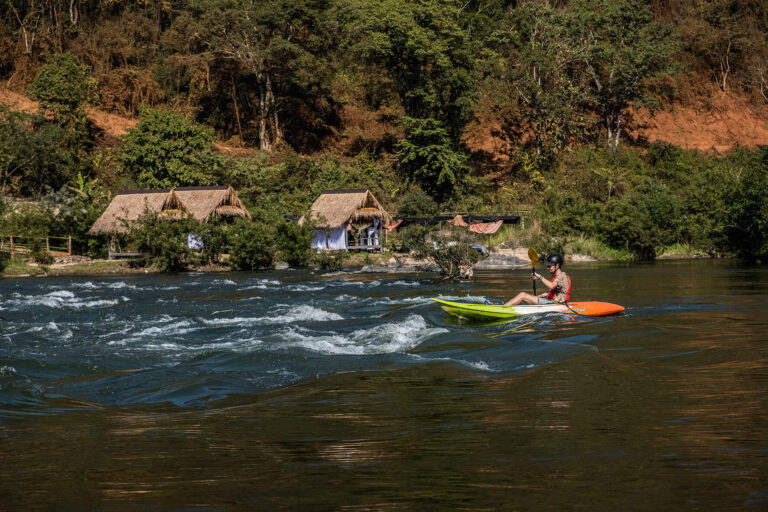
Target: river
column 294, row 390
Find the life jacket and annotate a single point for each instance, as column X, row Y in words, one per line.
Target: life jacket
column 553, row 292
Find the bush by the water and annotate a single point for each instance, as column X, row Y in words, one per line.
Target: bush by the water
column 451, row 252
column 330, row 261
column 253, row 245
column 164, row 242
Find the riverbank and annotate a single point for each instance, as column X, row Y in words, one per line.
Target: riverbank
column 498, row 259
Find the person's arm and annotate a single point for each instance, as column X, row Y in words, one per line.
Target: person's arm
column 549, row 284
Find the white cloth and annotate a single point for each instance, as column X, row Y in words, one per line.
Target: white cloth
column 335, row 238
column 194, row 242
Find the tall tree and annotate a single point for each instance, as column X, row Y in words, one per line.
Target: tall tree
column 537, row 62
column 33, row 154
column 276, row 43
column 66, row 88
column 426, row 55
column 168, row 150
column 625, row 49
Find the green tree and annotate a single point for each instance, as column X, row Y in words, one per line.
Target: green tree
column 747, row 213
column 294, row 242
column 624, row 49
column 642, row 221
column 33, row 154
column 534, row 61
column 429, row 158
column 65, row 87
column 163, row 241
column 168, row 150
column 273, row 51
column 416, row 203
column 428, row 60
column 253, row 245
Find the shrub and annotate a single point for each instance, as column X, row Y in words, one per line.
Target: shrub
column 164, row 242
column 168, row 150
column 253, row 245
column 39, row 253
column 294, row 242
column 747, row 214
column 452, row 253
column 215, row 238
column 416, row 203
column 65, row 87
column 331, row 261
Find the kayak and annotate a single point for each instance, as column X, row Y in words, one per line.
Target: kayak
column 477, row 311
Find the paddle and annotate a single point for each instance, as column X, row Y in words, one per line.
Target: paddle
column 534, row 256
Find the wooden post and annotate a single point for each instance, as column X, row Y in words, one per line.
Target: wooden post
column 11, row 245
column 47, row 245
column 69, row 245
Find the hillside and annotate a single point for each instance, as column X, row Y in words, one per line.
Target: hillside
column 729, row 121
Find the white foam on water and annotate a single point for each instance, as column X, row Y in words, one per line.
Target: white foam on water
column 61, row 299
column 223, row 281
column 87, row 285
column 428, row 300
column 7, row 370
column 306, row 313
column 303, row 313
column 480, row 365
column 233, row 321
column 95, row 303
column 262, row 284
column 175, row 328
column 401, row 282
column 50, row 326
column 381, row 339
column 167, row 346
column 304, row 288
column 355, row 284
column 120, row 285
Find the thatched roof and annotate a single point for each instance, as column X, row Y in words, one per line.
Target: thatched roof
column 199, row 202
column 202, row 202
column 335, row 207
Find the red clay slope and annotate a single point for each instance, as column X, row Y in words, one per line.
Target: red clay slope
column 729, row 121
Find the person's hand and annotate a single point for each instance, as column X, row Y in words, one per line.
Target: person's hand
column 536, row 276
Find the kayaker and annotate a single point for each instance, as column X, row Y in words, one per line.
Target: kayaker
column 559, row 285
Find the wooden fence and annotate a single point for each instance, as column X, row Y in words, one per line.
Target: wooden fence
column 20, row 244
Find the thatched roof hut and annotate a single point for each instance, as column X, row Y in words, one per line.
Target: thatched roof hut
column 199, row 202
column 335, row 208
column 205, row 202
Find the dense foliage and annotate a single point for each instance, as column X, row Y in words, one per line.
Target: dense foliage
column 168, row 150
column 383, row 94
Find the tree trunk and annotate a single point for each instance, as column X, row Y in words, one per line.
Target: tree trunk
column 725, row 67
column 73, row 12
column 237, row 110
column 618, row 126
column 156, row 27
column 263, row 137
column 277, row 133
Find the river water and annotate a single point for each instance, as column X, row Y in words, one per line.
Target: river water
column 295, row 390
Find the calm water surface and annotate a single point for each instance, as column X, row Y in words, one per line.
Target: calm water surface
column 297, row 391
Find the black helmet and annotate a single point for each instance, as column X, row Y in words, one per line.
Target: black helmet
column 554, row 259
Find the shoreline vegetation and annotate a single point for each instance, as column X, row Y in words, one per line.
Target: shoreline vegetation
column 379, row 262
column 492, row 108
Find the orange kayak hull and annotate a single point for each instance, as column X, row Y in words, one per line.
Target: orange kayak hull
column 593, row 308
